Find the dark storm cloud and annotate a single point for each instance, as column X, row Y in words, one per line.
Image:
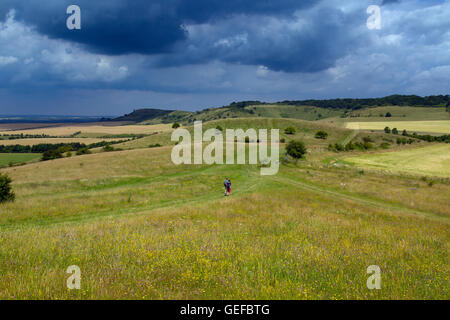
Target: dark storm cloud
column 389, row 1
column 139, row 26
column 309, row 42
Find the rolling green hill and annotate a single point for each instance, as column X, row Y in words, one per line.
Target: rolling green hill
column 400, row 107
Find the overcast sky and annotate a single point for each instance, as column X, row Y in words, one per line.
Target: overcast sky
column 193, row 54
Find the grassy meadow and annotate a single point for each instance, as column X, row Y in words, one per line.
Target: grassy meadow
column 13, row 158
column 432, row 160
column 140, row 227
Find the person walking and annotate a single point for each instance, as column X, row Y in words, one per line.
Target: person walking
column 229, row 187
column 225, row 184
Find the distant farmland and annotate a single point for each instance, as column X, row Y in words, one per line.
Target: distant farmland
column 32, row 142
column 441, row 127
column 99, row 130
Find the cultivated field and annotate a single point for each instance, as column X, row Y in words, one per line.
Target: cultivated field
column 438, row 127
column 140, row 227
column 398, row 114
column 32, row 142
column 434, row 161
column 68, row 130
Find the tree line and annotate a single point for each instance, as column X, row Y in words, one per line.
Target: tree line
column 44, row 147
column 355, row 104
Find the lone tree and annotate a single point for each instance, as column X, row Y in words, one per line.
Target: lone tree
column 321, row 135
column 387, row 130
column 395, row 131
column 6, row 194
column 290, row 130
column 388, row 115
column 176, row 125
column 296, row 149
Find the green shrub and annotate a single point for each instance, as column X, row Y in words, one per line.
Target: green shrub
column 156, row 145
column 384, row 145
column 290, row 130
column 283, row 140
column 395, row 131
column 219, row 128
column 6, row 193
column 83, row 151
column 338, row 147
column 296, row 149
column 108, row 148
column 388, row 115
column 321, row 135
column 176, row 125
column 51, row 154
column 387, row 130
column 350, row 146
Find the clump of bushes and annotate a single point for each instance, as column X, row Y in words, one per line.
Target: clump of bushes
column 6, row 193
column 363, row 146
column 108, row 148
column 296, row 149
column 176, row 125
column 321, row 135
column 290, row 130
column 51, row 154
column 83, row 151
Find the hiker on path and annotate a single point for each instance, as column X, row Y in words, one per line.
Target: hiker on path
column 227, row 185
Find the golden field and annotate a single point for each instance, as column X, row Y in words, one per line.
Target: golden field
column 35, row 141
column 67, row 130
column 436, row 126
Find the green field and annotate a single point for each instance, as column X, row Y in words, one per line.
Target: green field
column 437, row 127
column 434, row 161
column 140, row 227
column 13, row 158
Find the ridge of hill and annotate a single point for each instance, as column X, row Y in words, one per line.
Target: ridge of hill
column 295, row 109
column 140, row 115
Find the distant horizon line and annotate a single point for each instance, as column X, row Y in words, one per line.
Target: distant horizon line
column 205, row 108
